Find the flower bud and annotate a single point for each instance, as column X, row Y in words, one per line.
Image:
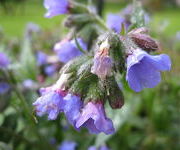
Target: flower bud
column 114, row 93
column 102, row 61
column 143, row 40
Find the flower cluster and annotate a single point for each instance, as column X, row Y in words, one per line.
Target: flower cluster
column 88, row 81
column 55, row 100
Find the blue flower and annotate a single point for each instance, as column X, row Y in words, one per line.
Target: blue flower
column 72, row 107
column 56, row 7
column 4, row 87
column 115, row 22
column 92, row 148
column 50, row 70
column 67, row 50
column 143, row 70
column 41, row 58
column 50, row 103
column 93, row 117
column 4, row 60
column 104, row 148
column 67, row 145
column 28, row 83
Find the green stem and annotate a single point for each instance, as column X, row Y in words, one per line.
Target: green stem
column 97, row 17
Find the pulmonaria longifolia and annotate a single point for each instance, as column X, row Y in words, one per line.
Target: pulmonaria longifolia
column 94, row 64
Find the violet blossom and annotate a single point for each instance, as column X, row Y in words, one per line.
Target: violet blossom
column 4, row 60
column 115, row 22
column 50, row 103
column 67, row 50
column 4, row 87
column 72, row 106
column 93, row 117
column 41, row 58
column 56, row 7
column 143, row 70
column 68, row 145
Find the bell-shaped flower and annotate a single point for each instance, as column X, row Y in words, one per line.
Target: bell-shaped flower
column 102, row 66
column 4, row 87
column 143, row 70
column 4, row 60
column 56, row 7
column 115, row 22
column 41, row 58
column 51, row 101
column 102, row 61
column 93, row 117
column 68, row 145
column 72, row 107
column 67, row 50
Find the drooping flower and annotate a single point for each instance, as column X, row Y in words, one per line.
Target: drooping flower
column 51, row 102
column 68, row 145
column 92, row 148
column 102, row 66
column 4, row 87
column 115, row 22
column 72, row 106
column 143, row 70
column 102, row 61
column 28, row 84
column 67, row 50
column 50, row 70
column 4, row 60
column 93, row 117
column 56, row 7
column 100, row 148
column 41, row 58
column 104, row 148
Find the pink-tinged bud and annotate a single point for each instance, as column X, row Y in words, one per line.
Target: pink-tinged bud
column 102, row 61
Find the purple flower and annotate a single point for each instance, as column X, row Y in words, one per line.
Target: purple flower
column 102, row 66
column 72, row 106
column 143, row 70
column 67, row 145
column 102, row 61
column 100, row 148
column 4, row 87
column 56, row 7
column 4, row 60
column 50, row 103
column 41, row 58
column 115, row 22
column 67, row 50
column 103, row 148
column 32, row 27
column 93, row 117
column 92, row 148
column 29, row 84
column 50, row 70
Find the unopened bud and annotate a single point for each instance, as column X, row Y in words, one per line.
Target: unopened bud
column 143, row 40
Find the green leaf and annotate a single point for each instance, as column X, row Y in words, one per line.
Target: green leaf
column 27, row 61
